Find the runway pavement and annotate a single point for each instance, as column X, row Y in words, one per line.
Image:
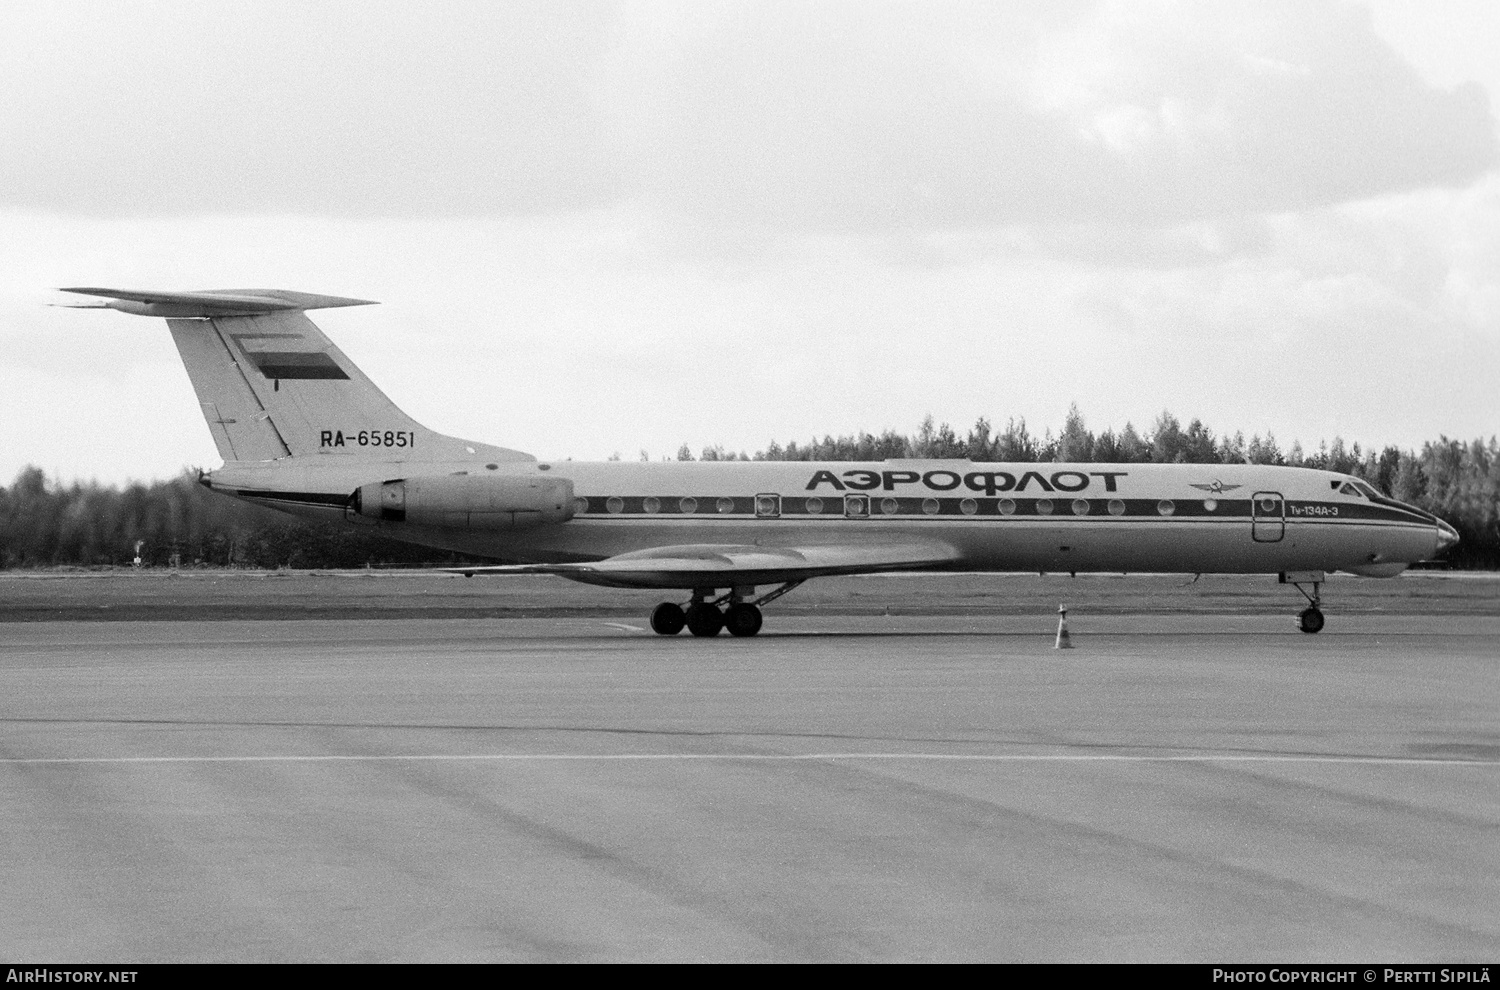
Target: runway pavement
column 856, row 787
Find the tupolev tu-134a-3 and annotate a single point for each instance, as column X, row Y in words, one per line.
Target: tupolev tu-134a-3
column 301, row 429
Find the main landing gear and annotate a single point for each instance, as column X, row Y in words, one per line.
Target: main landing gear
column 705, row 617
column 1310, row 620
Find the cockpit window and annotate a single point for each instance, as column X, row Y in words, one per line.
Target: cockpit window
column 1354, row 487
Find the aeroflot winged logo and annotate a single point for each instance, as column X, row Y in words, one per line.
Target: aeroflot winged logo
column 1217, row 487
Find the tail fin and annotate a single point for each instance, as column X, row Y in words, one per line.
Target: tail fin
column 272, row 385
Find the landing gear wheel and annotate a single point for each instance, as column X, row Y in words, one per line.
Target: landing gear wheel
column 1311, row 620
column 742, row 619
column 704, row 620
column 667, row 619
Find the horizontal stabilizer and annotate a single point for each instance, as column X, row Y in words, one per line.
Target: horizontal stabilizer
column 212, row 302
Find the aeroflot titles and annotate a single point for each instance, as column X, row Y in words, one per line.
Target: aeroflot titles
column 988, row 482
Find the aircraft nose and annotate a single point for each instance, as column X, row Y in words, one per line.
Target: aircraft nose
column 1447, row 536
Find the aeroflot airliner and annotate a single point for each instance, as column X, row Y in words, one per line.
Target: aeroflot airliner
column 302, row 429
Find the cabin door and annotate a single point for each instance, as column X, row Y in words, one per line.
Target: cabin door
column 1267, row 517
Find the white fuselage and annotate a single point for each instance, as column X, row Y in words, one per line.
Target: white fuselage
column 1214, row 518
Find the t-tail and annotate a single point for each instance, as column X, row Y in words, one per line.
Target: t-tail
column 272, row 386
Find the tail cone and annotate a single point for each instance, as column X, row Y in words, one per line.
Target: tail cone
column 1064, row 641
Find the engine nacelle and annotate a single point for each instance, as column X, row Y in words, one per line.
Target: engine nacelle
column 461, row 501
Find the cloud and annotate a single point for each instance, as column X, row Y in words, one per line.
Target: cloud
column 842, row 217
column 1376, row 321
column 342, row 108
column 1137, row 113
column 850, row 117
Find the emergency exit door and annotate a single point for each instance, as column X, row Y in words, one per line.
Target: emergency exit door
column 1267, row 517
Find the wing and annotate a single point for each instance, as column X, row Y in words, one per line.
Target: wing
column 722, row 566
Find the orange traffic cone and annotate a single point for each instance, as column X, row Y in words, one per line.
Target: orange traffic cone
column 1064, row 641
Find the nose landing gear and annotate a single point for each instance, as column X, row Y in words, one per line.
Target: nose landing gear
column 1310, row 620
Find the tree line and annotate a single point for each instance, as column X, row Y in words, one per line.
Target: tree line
column 179, row 523
column 175, row 523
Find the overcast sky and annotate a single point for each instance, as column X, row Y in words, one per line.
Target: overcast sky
column 599, row 227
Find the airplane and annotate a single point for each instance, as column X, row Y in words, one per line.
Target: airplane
column 301, row 429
